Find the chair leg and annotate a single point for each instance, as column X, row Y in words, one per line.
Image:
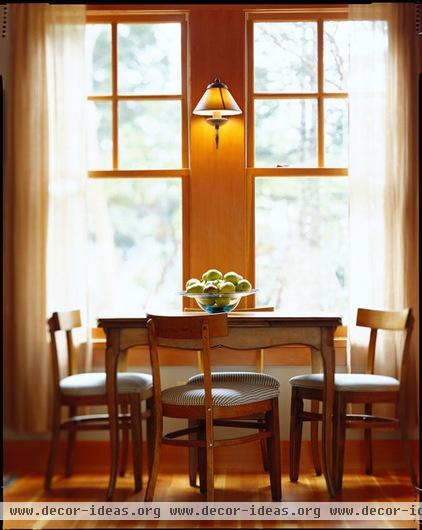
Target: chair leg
column 405, row 443
column 193, row 456
column 150, row 432
column 273, row 445
column 202, row 459
column 264, row 454
column 54, row 444
column 71, row 438
column 340, row 439
column 124, row 444
column 314, row 439
column 209, row 453
column 296, row 409
column 368, row 442
column 136, row 425
column 158, row 435
column 202, row 469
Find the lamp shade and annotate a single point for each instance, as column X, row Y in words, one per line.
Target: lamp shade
column 217, row 98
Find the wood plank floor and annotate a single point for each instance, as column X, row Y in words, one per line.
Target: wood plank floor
column 232, row 485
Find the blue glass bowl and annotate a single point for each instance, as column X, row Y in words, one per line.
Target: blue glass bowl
column 218, row 303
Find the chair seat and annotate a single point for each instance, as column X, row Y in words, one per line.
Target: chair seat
column 92, row 384
column 251, row 378
column 223, row 394
column 349, row 382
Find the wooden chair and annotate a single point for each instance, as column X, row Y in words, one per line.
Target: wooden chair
column 86, row 389
column 259, row 367
column 365, row 388
column 209, row 401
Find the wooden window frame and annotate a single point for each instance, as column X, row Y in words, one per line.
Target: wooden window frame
column 114, row 17
column 299, row 14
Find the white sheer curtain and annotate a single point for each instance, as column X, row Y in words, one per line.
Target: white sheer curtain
column 67, row 255
column 383, row 140
column 44, row 243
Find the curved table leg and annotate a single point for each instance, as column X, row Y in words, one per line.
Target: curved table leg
column 112, row 354
column 328, row 361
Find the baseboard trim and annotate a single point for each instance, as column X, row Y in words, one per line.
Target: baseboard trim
column 30, row 456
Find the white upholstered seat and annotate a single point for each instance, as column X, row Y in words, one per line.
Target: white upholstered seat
column 349, row 382
column 93, row 384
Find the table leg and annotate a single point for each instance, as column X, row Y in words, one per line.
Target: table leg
column 112, row 355
column 328, row 362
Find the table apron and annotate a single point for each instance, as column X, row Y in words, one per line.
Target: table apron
column 242, row 338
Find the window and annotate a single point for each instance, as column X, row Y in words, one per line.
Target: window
column 137, row 160
column 297, row 160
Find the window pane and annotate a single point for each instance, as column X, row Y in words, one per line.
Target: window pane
column 135, row 245
column 336, row 55
column 149, row 58
column 150, row 134
column 285, row 132
column 100, row 145
column 98, row 53
column 336, row 129
column 285, row 56
column 301, row 234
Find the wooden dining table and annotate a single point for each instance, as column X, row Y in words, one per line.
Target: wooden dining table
column 247, row 331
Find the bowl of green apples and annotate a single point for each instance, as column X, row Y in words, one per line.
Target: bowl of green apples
column 216, row 292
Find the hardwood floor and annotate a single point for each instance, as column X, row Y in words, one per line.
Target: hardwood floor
column 237, row 480
column 230, row 487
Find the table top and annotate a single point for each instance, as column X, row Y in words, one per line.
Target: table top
column 236, row 319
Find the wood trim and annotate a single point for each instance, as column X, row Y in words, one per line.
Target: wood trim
column 130, row 97
column 185, row 117
column 249, row 99
column 94, row 455
column 141, row 173
column 298, row 95
column 297, row 172
column 122, row 14
column 298, row 13
column 320, row 104
column 114, row 100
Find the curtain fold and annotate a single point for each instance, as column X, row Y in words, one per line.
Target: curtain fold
column 43, row 190
column 383, row 175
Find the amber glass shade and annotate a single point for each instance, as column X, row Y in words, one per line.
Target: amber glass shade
column 217, row 98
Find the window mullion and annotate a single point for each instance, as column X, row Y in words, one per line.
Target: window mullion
column 320, row 78
column 114, row 96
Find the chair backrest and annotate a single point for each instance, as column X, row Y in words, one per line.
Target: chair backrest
column 64, row 321
column 201, row 327
column 401, row 320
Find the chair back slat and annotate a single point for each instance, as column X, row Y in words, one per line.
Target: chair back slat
column 386, row 320
column 390, row 320
column 64, row 321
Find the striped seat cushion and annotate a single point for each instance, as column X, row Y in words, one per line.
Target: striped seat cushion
column 225, row 393
column 349, row 382
column 251, row 378
column 93, row 384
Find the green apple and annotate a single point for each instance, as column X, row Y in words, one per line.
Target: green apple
column 210, row 288
column 192, row 281
column 232, row 277
column 221, row 302
column 195, row 288
column 206, row 301
column 243, row 286
column 227, row 287
column 212, row 274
